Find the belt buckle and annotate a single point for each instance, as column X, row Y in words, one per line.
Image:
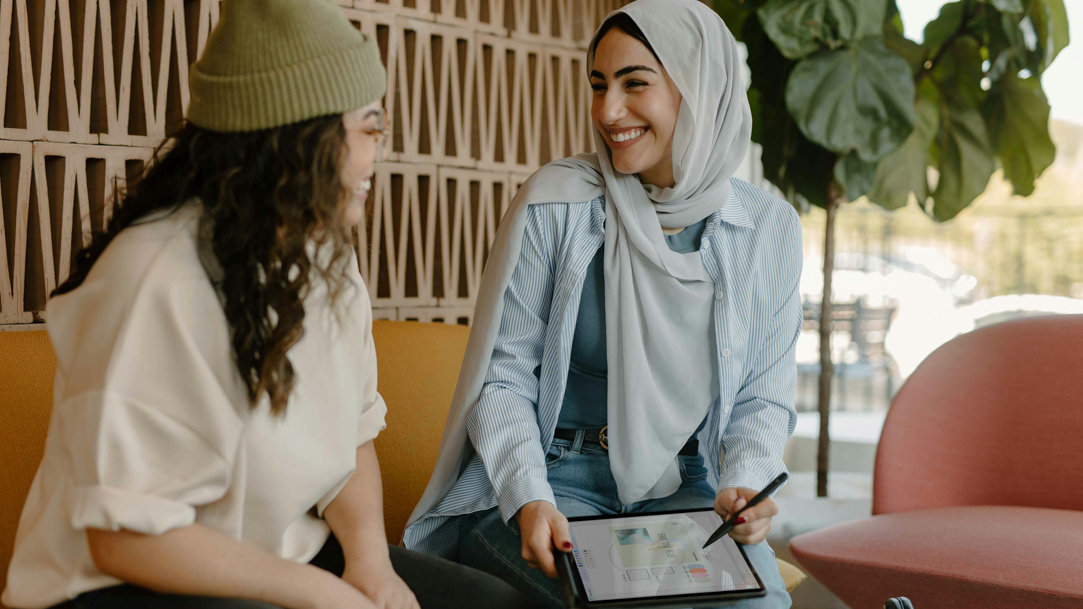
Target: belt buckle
column 603, row 437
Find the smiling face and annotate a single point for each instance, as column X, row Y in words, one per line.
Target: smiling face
column 364, row 140
column 634, row 108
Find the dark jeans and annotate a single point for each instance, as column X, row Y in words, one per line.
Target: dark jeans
column 437, row 584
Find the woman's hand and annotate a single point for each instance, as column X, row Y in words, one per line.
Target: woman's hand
column 383, row 587
column 356, row 517
column 543, row 527
column 754, row 522
column 337, row 594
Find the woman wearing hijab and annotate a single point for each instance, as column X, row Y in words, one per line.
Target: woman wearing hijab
column 215, row 399
column 637, row 319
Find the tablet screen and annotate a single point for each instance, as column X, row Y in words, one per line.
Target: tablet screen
column 657, row 555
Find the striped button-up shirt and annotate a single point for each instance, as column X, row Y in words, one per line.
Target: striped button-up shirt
column 751, row 248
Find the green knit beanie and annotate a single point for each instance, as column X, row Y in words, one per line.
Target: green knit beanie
column 273, row 62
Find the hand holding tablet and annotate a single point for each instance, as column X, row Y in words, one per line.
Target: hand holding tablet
column 542, row 528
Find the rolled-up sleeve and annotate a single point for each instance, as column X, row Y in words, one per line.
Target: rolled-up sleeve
column 140, row 469
column 373, row 409
column 146, row 420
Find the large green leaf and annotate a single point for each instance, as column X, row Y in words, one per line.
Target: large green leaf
column 1051, row 25
column 1019, row 126
column 854, row 175
column 801, row 27
column 965, row 157
column 1007, row 45
column 892, row 18
column 941, row 29
column 858, row 98
column 904, row 170
column 1017, row 40
column 958, row 75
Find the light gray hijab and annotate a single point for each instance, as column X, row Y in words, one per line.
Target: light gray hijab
column 662, row 368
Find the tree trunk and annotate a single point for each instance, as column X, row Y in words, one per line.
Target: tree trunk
column 827, row 367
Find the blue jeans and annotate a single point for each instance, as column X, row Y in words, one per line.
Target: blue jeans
column 583, row 485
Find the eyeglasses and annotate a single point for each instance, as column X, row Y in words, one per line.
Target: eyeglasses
column 355, row 122
column 381, row 135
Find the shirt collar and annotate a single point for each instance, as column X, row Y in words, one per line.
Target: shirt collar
column 733, row 212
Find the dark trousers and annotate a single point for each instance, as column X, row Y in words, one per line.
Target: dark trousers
column 437, row 584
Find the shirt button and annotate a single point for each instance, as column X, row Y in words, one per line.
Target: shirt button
column 725, row 352
column 718, row 295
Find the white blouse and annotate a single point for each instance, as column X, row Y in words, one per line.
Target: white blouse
column 151, row 428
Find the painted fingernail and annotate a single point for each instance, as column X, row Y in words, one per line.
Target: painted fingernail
column 741, row 520
column 567, row 545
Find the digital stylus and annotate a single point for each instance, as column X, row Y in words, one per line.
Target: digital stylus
column 731, row 522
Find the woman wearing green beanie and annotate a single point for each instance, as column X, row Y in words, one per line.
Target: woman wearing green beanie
column 215, row 396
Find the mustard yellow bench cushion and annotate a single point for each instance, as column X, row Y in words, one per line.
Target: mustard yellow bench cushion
column 418, row 368
column 26, row 398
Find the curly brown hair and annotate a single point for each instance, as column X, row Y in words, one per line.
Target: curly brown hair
column 266, row 195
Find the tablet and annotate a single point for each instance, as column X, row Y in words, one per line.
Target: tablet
column 654, row 560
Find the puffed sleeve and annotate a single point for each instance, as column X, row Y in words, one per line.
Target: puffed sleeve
column 148, row 406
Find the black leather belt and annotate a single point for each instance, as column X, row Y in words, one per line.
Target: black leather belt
column 601, row 438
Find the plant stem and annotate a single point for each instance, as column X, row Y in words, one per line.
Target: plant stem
column 827, row 367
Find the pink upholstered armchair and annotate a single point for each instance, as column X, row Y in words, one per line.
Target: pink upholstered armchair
column 978, row 482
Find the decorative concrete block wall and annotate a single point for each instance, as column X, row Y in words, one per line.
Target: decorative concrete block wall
column 481, row 93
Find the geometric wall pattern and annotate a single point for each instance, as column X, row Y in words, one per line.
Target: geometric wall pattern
column 480, row 93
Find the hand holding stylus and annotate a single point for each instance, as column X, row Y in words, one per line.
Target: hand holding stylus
column 747, row 513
